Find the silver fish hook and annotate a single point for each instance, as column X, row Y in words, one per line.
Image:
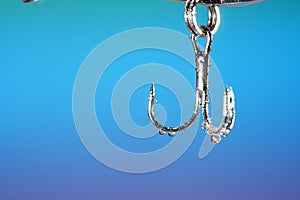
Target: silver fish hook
column 202, row 71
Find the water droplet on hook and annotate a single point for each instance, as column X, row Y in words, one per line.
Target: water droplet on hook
column 161, row 132
column 201, row 59
column 208, row 100
column 172, row 134
column 216, row 139
column 225, row 133
column 204, row 125
column 209, row 131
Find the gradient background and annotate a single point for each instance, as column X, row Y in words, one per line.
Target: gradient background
column 41, row 156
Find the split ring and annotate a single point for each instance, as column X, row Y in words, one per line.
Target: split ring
column 191, row 19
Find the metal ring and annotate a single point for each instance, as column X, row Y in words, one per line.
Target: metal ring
column 191, row 19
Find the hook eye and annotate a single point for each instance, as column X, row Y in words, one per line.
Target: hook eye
column 190, row 16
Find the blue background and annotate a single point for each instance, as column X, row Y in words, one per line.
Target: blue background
column 41, row 156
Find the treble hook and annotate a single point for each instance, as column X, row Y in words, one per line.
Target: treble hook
column 202, row 71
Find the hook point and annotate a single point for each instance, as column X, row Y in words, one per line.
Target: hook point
column 216, row 139
column 152, row 92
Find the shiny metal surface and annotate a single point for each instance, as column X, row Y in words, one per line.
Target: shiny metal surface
column 202, row 59
column 201, row 99
column 29, row 1
column 190, row 17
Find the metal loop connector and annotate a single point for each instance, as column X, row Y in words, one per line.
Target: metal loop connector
column 190, row 16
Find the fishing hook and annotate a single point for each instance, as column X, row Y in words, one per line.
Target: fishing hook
column 202, row 59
